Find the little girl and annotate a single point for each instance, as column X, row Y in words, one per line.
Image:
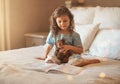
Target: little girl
column 62, row 27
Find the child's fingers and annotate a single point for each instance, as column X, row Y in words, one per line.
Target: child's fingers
column 40, row 58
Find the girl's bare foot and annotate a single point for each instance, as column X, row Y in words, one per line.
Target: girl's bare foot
column 83, row 62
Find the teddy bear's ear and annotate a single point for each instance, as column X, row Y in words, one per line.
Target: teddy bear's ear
column 63, row 41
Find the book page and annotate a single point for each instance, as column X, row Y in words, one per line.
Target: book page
column 66, row 68
column 47, row 67
column 40, row 67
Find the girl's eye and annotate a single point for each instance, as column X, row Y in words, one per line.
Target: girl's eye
column 63, row 21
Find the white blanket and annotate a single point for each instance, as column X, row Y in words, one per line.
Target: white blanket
column 106, row 72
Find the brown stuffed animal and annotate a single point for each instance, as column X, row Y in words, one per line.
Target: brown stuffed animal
column 62, row 57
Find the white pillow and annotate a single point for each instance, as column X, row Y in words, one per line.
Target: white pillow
column 108, row 17
column 106, row 44
column 83, row 15
column 87, row 34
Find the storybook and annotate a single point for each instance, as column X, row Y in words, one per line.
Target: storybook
column 48, row 67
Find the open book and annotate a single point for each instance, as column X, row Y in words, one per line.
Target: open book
column 47, row 67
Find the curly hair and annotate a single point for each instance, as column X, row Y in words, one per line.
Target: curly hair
column 61, row 10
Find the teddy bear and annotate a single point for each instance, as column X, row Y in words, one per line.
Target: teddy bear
column 62, row 57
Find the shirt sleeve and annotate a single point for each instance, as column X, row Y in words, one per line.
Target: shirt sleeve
column 77, row 40
column 50, row 39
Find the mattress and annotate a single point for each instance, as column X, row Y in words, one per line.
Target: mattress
column 12, row 61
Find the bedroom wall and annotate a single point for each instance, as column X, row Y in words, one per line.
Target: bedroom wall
column 28, row 16
column 24, row 17
column 33, row 16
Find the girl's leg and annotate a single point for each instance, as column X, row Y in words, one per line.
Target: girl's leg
column 83, row 62
column 73, row 58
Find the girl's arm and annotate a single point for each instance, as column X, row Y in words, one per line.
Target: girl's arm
column 49, row 47
column 75, row 49
column 48, row 50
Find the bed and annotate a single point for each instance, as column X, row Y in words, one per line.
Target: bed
column 100, row 40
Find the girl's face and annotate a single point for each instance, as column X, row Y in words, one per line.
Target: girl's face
column 63, row 22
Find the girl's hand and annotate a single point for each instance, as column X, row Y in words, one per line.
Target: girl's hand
column 65, row 48
column 41, row 58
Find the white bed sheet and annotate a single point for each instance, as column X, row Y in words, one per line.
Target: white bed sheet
column 11, row 72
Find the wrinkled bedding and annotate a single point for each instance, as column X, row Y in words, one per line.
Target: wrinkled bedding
column 12, row 61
